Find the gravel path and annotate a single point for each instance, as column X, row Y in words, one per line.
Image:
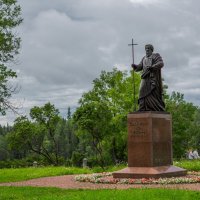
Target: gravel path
column 68, row 182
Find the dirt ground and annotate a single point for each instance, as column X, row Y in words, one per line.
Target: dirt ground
column 68, row 182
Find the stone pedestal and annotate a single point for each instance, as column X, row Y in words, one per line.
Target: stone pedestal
column 149, row 147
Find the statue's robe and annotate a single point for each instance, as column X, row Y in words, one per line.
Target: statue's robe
column 150, row 93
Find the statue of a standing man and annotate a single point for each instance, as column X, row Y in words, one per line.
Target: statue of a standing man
column 150, row 94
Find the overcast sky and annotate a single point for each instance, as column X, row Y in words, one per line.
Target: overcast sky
column 67, row 43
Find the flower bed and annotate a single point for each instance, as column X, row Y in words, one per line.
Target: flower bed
column 192, row 177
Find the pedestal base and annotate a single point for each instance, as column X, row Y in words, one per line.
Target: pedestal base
column 150, row 172
column 149, row 139
column 149, row 147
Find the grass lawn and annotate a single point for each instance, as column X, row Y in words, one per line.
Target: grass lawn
column 192, row 165
column 19, row 174
column 31, row 193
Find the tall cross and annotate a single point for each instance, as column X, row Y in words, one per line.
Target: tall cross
column 132, row 44
column 133, row 74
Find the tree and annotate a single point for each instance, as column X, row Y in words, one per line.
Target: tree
column 9, row 47
column 94, row 118
column 48, row 117
column 4, row 154
column 38, row 135
column 69, row 115
column 4, row 151
column 102, row 113
column 183, row 116
column 194, row 132
column 67, row 141
column 26, row 136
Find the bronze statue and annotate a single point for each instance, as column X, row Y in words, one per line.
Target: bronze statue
column 150, row 93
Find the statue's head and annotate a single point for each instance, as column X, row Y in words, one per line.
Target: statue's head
column 149, row 49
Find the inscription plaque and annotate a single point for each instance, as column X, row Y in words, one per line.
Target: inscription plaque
column 136, row 128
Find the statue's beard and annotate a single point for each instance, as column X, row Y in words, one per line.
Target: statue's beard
column 148, row 54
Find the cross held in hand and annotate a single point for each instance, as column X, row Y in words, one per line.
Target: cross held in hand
column 132, row 44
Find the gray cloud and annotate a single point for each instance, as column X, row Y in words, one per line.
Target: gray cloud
column 67, row 43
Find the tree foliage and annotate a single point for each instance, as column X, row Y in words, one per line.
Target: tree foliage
column 183, row 117
column 38, row 135
column 98, row 128
column 10, row 18
column 102, row 114
column 194, row 132
column 114, row 89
